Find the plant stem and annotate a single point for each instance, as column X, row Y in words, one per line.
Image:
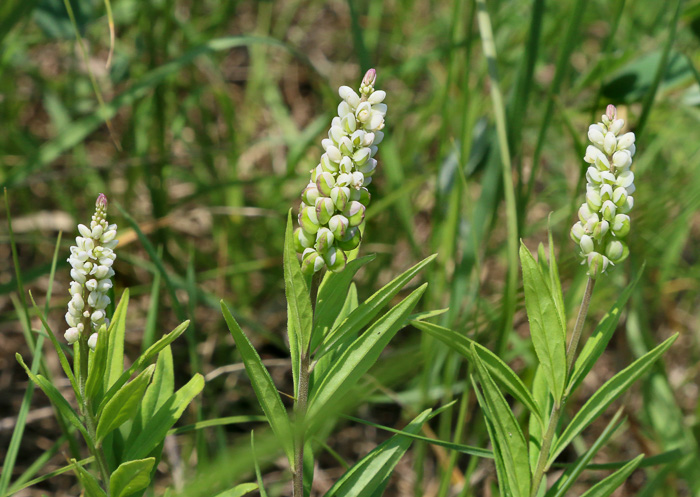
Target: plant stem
column 301, row 403
column 541, row 466
column 86, row 407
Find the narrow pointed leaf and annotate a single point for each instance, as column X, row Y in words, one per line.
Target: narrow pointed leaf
column 263, row 385
column 606, row 487
column 89, row 483
column 114, row 365
column 554, row 283
column 511, row 440
column 298, row 301
column 607, row 394
column 360, row 355
column 372, row 470
column 157, row 428
column 124, row 405
column 131, row 477
column 546, row 329
column 498, row 369
column 239, row 490
column 366, row 311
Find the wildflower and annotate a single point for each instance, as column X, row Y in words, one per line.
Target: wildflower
column 603, row 219
column 91, row 261
column 336, row 198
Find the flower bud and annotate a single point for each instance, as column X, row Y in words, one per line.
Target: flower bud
column 345, row 146
column 325, row 182
column 611, row 112
column 328, row 165
column 344, row 109
column 629, row 203
column 369, row 78
column 358, row 179
column 620, row 225
column 606, row 192
column 361, row 156
column 346, row 165
column 577, row 231
column 593, row 200
column 338, row 225
column 325, row 208
column 600, row 230
column 586, row 244
column 340, row 195
column 349, row 95
column 608, row 210
column 324, row 240
column 302, row 240
column 593, row 176
column 625, row 179
column 308, row 220
column 334, row 154
column 610, row 143
column 597, row 264
column 622, row 159
column 311, row 262
column 92, row 341
column 619, row 197
column 625, row 141
column 585, row 213
column 616, row 126
column 349, row 123
column 362, row 195
column 617, row 251
column 343, row 179
column 71, row 335
column 350, row 240
column 335, row 259
column 355, row 212
column 310, row 194
column 368, row 168
column 377, row 97
column 596, row 134
column 363, row 112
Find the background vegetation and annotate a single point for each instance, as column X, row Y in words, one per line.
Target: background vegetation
column 203, row 128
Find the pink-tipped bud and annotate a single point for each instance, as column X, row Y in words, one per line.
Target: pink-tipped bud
column 370, row 78
column 101, row 201
column 611, row 112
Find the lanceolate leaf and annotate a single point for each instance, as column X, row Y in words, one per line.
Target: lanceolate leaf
column 554, row 283
column 89, row 482
column 264, row 388
column 239, row 490
column 607, row 486
column 298, row 301
column 331, row 295
column 498, row 369
column 360, row 355
column 372, row 470
column 596, row 344
column 547, row 330
column 98, row 361
column 131, row 477
column 123, row 405
column 157, row 428
column 361, row 316
column 114, row 365
column 606, row 394
column 510, row 438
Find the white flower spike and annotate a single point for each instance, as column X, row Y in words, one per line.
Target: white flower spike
column 335, row 200
column 91, row 261
column 603, row 217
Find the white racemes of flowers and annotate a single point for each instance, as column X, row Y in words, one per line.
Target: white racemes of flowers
column 91, row 260
column 603, row 219
column 334, row 202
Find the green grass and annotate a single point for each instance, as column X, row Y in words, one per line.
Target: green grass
column 217, row 110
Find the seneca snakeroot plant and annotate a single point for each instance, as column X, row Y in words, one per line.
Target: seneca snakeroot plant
column 334, row 202
column 603, row 218
column 91, row 261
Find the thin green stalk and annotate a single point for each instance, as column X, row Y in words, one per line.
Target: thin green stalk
column 489, row 48
column 541, row 466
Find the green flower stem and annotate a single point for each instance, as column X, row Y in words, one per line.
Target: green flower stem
column 301, row 402
column 541, row 466
column 86, row 408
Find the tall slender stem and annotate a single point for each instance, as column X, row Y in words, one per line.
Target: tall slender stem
column 301, row 403
column 541, row 466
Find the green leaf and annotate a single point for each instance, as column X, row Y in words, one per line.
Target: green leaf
column 554, row 283
column 606, row 487
column 498, row 369
column 372, row 470
column 371, row 307
column 114, row 365
column 90, row 484
column 360, row 355
column 124, row 405
column 151, row 352
column 157, row 428
column 596, row 344
column 607, row 394
column 98, row 362
column 258, row 475
column 263, row 385
column 161, row 388
column 510, row 438
column 239, row 490
column 131, row 477
column 332, row 294
column 300, row 321
column 55, row 396
column 546, row 329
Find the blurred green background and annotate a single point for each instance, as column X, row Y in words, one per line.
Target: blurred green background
column 203, row 127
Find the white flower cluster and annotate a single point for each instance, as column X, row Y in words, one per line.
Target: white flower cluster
column 334, row 202
column 91, row 261
column 603, row 218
